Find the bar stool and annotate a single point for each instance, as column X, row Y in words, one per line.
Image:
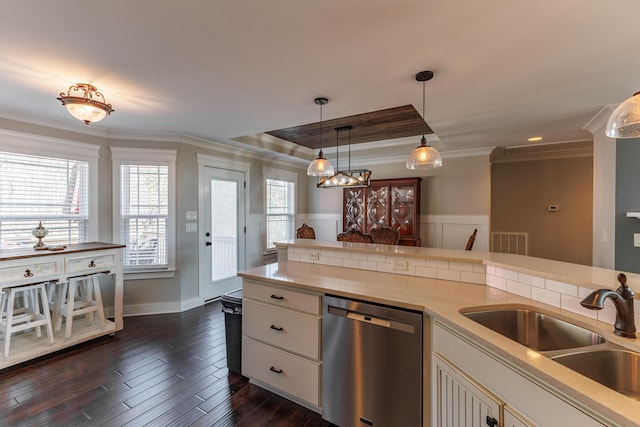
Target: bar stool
column 79, row 296
column 33, row 314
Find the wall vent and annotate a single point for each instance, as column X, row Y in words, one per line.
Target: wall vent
column 510, row 243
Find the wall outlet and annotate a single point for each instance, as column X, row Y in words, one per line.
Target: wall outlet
column 399, row 264
column 636, row 240
column 313, row 255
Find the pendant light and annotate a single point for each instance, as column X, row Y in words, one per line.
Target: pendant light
column 347, row 178
column 424, row 156
column 320, row 166
column 624, row 122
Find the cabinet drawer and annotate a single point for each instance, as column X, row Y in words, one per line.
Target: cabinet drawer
column 283, row 297
column 289, row 330
column 90, row 264
column 29, row 273
column 292, row 374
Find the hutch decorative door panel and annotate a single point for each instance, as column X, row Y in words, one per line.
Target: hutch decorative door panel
column 387, row 202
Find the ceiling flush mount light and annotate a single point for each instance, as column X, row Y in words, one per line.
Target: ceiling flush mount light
column 347, row 178
column 624, row 122
column 84, row 102
column 320, row 166
column 424, row 156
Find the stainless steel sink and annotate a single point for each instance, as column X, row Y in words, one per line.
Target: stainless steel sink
column 617, row 369
column 538, row 331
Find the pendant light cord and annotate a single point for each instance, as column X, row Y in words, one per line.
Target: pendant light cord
column 424, row 129
column 349, row 148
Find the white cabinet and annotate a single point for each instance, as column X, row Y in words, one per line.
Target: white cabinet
column 459, row 401
column 533, row 404
column 281, row 343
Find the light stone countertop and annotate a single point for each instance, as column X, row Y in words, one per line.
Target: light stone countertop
column 442, row 301
column 581, row 275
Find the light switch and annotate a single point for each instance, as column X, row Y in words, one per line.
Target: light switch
column 191, row 215
column 636, row 240
column 192, row 227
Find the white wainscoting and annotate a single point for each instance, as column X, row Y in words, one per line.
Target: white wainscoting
column 453, row 231
column 436, row 231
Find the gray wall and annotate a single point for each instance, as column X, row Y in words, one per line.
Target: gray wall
column 460, row 187
column 627, row 257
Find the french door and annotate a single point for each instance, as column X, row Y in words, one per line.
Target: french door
column 222, row 231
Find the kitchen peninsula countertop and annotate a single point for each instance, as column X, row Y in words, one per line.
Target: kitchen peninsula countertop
column 442, row 301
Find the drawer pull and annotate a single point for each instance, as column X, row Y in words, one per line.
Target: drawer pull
column 28, row 273
column 277, row 328
column 277, row 371
column 278, row 297
column 92, row 264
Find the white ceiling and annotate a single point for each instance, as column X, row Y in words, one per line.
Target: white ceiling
column 505, row 70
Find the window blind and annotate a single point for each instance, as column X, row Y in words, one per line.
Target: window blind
column 280, row 210
column 144, row 214
column 51, row 190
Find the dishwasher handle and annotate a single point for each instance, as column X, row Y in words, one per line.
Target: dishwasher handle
column 373, row 320
column 368, row 319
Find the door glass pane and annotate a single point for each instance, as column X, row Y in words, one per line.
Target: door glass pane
column 224, row 229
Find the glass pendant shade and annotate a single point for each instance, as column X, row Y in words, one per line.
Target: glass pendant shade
column 320, row 167
column 624, row 122
column 86, row 113
column 424, row 157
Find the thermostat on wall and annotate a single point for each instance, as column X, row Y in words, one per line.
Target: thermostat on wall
column 553, row 208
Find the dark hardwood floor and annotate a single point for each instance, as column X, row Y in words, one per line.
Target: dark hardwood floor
column 161, row 370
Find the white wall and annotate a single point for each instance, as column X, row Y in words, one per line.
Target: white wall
column 604, row 191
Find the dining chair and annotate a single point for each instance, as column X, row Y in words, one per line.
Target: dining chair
column 354, row 235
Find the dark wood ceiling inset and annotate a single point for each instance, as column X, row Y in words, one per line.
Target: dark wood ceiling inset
column 392, row 123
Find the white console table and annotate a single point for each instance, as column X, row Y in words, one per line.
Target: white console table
column 25, row 266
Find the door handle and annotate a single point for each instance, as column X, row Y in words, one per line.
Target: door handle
column 208, row 243
column 277, row 328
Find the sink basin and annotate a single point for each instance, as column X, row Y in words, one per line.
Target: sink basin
column 538, row 331
column 614, row 368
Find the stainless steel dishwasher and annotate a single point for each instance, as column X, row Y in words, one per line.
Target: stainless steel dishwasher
column 371, row 364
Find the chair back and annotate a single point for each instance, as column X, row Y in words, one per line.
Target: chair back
column 354, row 235
column 472, row 239
column 385, row 235
column 305, row 232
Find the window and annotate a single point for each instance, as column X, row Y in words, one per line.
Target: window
column 145, row 207
column 48, row 189
column 280, row 190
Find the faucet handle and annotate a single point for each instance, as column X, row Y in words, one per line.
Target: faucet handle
column 622, row 279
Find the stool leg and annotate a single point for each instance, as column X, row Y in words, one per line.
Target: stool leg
column 87, row 295
column 70, row 305
column 96, row 289
column 45, row 310
column 7, row 334
column 62, row 294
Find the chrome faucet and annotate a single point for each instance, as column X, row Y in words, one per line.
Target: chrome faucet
column 623, row 300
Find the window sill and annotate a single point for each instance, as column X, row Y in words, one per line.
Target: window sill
column 149, row 274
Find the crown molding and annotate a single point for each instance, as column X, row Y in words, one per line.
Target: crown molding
column 72, row 125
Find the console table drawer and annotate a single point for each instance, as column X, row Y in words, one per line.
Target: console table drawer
column 29, row 273
column 90, row 264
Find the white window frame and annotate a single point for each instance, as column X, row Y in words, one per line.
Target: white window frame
column 277, row 174
column 141, row 156
column 37, row 145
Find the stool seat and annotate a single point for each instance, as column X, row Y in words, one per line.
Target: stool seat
column 33, row 314
column 79, row 296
